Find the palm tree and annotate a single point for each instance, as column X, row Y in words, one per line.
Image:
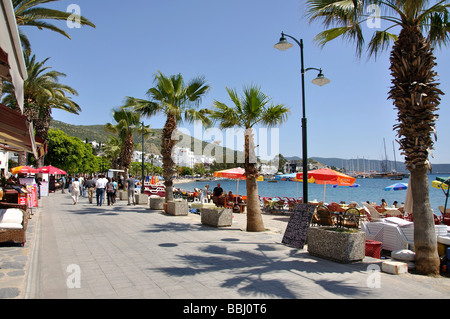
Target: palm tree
column 112, row 150
column 42, row 93
column 251, row 109
column 178, row 101
column 414, row 90
column 128, row 123
column 29, row 13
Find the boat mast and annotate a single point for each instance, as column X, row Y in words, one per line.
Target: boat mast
column 385, row 155
column 395, row 160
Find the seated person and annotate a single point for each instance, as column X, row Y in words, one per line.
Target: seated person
column 217, row 191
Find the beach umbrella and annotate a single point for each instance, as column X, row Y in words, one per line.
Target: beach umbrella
column 23, row 170
column 237, row 173
column 396, row 187
column 286, row 177
column 328, row 176
column 51, row 170
column 408, row 208
column 442, row 183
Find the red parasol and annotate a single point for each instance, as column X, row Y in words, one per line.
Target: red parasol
column 234, row 173
column 51, row 170
column 329, row 176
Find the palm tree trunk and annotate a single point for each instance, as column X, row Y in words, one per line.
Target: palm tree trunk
column 41, row 126
column 126, row 153
column 425, row 245
column 21, row 159
column 166, row 150
column 416, row 97
column 254, row 218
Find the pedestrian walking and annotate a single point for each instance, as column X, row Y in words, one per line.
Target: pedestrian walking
column 204, row 197
column 116, row 189
column 110, row 191
column 63, row 183
column 82, row 188
column 90, row 186
column 131, row 185
column 100, row 185
column 75, row 190
column 69, row 181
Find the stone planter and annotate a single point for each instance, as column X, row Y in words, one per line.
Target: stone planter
column 201, row 206
column 177, row 208
column 337, row 246
column 157, row 203
column 123, row 195
column 216, row 217
column 141, row 199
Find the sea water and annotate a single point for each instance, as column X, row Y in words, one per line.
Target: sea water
column 369, row 189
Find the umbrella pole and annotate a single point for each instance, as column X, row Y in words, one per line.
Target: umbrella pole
column 237, row 187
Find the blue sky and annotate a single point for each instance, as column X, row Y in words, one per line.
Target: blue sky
column 230, row 43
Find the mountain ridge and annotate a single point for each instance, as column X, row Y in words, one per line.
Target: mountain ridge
column 153, row 144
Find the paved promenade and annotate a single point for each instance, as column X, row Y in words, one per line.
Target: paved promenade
column 120, row 251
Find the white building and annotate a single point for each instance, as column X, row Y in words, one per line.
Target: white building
column 267, row 169
column 183, row 156
column 3, row 163
column 137, row 157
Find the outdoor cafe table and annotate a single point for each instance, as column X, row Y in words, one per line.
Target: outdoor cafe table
column 242, row 207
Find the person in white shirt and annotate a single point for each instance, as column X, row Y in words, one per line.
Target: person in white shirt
column 75, row 190
column 100, row 189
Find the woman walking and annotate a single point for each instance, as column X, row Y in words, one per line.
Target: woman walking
column 110, row 191
column 75, row 190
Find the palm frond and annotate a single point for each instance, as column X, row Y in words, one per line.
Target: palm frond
column 144, row 107
column 380, row 42
column 438, row 26
column 30, row 13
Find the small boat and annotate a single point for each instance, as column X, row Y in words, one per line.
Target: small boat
column 272, row 181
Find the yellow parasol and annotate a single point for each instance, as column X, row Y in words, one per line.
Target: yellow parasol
column 23, row 170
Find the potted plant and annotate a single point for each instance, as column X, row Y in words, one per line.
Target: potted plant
column 335, row 243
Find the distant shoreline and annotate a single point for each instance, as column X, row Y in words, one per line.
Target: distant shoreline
column 190, row 180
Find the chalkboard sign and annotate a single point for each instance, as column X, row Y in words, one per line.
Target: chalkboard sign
column 297, row 228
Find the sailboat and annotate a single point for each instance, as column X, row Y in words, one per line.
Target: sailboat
column 394, row 175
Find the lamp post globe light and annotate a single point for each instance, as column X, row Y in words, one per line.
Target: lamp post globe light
column 320, row 80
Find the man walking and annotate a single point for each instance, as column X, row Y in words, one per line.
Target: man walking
column 90, row 186
column 100, row 187
column 131, row 184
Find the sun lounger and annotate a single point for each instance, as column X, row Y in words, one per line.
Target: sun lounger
column 395, row 233
column 393, row 213
column 372, row 213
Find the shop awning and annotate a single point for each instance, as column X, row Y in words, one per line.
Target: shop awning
column 12, row 63
column 17, row 135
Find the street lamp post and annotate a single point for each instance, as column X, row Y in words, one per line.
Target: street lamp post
column 320, row 80
column 142, row 182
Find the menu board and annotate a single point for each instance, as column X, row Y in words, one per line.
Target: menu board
column 297, row 228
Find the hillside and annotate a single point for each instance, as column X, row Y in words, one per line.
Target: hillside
column 374, row 165
column 152, row 144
